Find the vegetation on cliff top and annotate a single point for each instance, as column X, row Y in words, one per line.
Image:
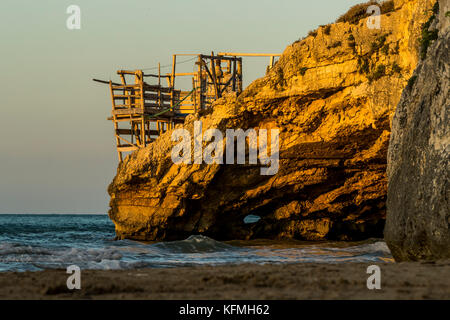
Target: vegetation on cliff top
column 428, row 35
column 359, row 11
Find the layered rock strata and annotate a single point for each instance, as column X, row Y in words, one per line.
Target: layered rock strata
column 332, row 96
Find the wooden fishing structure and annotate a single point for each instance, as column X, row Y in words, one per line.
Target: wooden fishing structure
column 143, row 107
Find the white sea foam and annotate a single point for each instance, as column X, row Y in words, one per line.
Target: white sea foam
column 34, row 243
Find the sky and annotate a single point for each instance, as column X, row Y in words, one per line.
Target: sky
column 57, row 152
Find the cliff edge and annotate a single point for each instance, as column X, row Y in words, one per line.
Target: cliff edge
column 418, row 219
column 332, row 96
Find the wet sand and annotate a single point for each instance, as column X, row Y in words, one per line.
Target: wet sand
column 429, row 280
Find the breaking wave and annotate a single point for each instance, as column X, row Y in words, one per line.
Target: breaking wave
column 30, row 243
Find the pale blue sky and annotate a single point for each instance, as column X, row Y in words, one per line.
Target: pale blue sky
column 57, row 149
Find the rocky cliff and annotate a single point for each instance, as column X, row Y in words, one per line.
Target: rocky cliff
column 418, row 219
column 332, row 95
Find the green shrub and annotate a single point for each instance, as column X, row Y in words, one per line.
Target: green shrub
column 335, row 45
column 447, row 14
column 359, row 11
column 303, row 70
column 363, row 65
column 351, row 42
column 354, row 14
column 312, row 33
column 378, row 43
column 385, row 49
column 387, row 6
column 436, row 8
column 428, row 36
column 396, row 68
column 379, row 72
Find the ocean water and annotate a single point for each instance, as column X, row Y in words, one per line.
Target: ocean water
column 36, row 242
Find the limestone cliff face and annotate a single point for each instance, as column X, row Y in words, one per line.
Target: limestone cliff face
column 418, row 219
column 332, row 96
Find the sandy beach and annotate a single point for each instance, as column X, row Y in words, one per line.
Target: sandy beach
column 430, row 280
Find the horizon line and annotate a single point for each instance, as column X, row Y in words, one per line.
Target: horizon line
column 54, row 213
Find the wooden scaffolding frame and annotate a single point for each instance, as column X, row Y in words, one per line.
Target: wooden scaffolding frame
column 142, row 111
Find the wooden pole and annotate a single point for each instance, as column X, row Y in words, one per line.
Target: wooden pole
column 234, row 75
column 199, row 83
column 119, row 154
column 194, row 93
column 213, row 71
column 181, row 74
column 159, row 73
column 239, row 72
column 174, row 62
column 159, row 85
column 143, row 111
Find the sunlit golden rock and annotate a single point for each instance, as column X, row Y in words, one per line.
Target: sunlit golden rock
column 332, row 95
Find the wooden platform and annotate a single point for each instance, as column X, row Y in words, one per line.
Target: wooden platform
column 142, row 111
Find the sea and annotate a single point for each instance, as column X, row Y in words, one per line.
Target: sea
column 33, row 242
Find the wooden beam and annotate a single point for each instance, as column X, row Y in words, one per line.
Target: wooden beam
column 226, row 85
column 125, row 140
column 125, row 96
column 124, row 81
column 160, row 101
column 213, row 71
column 172, row 84
column 199, row 96
column 156, row 87
column 218, row 57
column 127, row 111
column 234, row 76
column 119, row 154
column 128, row 118
column 127, row 86
column 129, row 131
column 143, row 108
column 106, row 82
column 156, row 105
column 156, row 96
column 174, row 63
column 129, row 72
column 127, row 148
column 156, row 76
column 193, row 94
column 240, row 54
column 159, row 76
column 207, row 70
column 181, row 74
